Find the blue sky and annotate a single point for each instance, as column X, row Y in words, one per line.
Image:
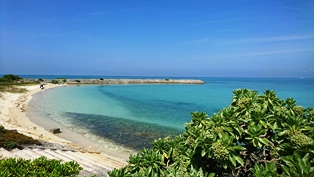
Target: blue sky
column 214, row 38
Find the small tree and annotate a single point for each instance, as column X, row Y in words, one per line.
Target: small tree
column 257, row 135
column 10, row 78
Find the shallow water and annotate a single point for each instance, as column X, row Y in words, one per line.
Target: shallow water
column 134, row 115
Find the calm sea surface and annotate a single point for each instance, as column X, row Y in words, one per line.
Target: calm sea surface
column 134, row 115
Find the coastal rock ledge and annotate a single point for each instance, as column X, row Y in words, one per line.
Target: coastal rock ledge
column 134, row 81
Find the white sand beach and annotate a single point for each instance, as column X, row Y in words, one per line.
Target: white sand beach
column 12, row 116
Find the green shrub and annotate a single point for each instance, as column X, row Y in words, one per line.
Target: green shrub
column 40, row 167
column 2, row 129
column 9, row 145
column 257, row 135
column 10, row 78
column 54, row 81
column 78, row 81
column 10, row 139
column 101, row 79
column 40, row 80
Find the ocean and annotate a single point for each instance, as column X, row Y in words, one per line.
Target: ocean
column 133, row 115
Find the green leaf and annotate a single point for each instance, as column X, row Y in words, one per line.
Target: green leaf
column 229, row 129
column 149, row 171
column 288, row 161
column 259, row 144
column 233, row 161
column 263, row 123
column 275, row 126
column 306, row 128
column 255, row 142
column 237, row 148
column 302, row 165
column 220, row 135
column 264, row 141
column 203, row 153
column 239, row 160
column 211, row 175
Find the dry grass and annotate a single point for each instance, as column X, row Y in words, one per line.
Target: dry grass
column 12, row 89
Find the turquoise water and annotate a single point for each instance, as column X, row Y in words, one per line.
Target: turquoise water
column 134, row 115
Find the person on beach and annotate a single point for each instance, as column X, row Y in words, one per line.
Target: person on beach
column 42, row 86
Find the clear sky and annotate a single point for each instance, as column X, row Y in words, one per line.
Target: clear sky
column 238, row 38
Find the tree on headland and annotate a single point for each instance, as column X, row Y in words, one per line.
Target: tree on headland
column 257, row 135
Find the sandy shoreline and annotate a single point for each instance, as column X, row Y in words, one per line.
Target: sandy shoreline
column 14, row 114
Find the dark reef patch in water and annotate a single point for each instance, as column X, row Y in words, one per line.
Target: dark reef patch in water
column 128, row 133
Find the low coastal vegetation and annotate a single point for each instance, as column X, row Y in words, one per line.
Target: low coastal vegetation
column 58, row 81
column 257, row 135
column 10, row 83
column 62, row 79
column 11, row 89
column 10, row 139
column 10, row 78
column 40, row 167
column 54, row 81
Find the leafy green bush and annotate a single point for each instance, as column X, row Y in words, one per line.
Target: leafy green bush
column 40, row 80
column 10, row 78
column 54, row 81
column 40, row 167
column 10, row 145
column 257, row 135
column 101, row 79
column 78, row 81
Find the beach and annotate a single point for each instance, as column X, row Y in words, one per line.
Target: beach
column 104, row 111
column 13, row 108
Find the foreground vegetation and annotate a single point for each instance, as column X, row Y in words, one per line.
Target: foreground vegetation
column 40, row 167
column 257, row 135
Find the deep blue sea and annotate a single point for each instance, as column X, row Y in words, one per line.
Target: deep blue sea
column 134, row 115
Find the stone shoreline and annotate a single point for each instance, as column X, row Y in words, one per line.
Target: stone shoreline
column 125, row 81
